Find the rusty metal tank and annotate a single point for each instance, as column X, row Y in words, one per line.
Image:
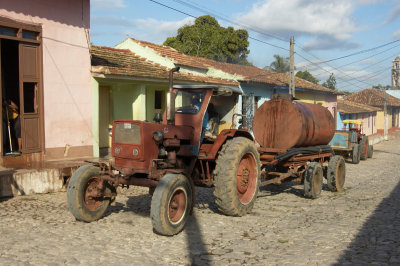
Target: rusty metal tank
column 284, row 124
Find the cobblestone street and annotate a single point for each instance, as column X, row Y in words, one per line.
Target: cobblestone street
column 358, row 226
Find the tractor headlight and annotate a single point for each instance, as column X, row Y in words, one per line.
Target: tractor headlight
column 158, row 136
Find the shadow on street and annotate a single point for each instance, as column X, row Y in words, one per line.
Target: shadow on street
column 378, row 240
column 197, row 249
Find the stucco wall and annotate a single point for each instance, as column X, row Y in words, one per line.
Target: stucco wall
column 261, row 91
column 66, row 66
column 370, row 125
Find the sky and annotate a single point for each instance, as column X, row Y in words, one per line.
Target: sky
column 356, row 40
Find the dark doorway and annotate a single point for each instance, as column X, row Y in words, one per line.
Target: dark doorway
column 10, row 95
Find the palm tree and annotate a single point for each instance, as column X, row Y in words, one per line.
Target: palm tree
column 281, row 64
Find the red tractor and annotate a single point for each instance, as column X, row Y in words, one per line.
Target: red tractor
column 173, row 154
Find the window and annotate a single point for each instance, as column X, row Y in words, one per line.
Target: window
column 29, row 35
column 8, row 31
column 369, row 118
column 189, row 102
column 30, row 97
column 158, row 100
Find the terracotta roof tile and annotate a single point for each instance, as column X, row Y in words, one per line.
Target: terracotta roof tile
column 249, row 73
column 166, row 51
column 255, row 74
column 373, row 97
column 349, row 107
column 111, row 61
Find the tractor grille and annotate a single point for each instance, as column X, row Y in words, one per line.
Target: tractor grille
column 127, row 133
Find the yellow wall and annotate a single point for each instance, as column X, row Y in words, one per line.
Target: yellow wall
column 125, row 101
column 311, row 97
column 380, row 120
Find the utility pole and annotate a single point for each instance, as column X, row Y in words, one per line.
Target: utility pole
column 385, row 126
column 291, row 69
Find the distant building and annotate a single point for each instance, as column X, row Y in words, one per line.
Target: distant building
column 396, row 73
column 376, row 98
column 358, row 111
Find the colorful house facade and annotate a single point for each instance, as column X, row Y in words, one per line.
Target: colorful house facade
column 258, row 83
column 357, row 111
column 45, row 71
column 376, row 98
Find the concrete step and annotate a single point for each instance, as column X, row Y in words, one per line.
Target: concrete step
column 14, row 182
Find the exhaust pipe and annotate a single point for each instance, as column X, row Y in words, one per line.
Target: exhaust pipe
column 171, row 98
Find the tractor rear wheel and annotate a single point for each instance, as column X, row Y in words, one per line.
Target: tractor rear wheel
column 313, row 177
column 336, row 173
column 355, row 155
column 364, row 148
column 85, row 194
column 171, row 204
column 237, row 177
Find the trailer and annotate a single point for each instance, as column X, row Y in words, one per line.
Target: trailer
column 179, row 150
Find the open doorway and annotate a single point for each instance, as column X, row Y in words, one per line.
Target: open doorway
column 11, row 126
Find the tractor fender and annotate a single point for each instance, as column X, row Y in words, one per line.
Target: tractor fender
column 224, row 135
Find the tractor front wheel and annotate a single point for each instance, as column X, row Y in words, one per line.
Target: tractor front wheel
column 356, row 154
column 364, row 148
column 171, row 204
column 370, row 151
column 85, row 194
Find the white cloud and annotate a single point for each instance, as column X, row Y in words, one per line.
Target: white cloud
column 394, row 15
column 158, row 30
column 396, row 35
column 107, row 4
column 328, row 20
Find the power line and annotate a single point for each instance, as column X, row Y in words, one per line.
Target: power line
column 359, row 52
column 328, row 71
column 340, row 71
column 207, row 11
column 193, row 6
column 187, row 14
column 386, row 58
column 360, row 60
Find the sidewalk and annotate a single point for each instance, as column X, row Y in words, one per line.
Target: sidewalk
column 38, row 177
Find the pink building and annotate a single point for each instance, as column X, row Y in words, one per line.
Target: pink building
column 45, row 71
column 357, row 111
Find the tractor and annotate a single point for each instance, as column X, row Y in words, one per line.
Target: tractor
column 178, row 151
column 351, row 142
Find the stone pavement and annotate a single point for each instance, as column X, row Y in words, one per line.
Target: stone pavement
column 358, row 226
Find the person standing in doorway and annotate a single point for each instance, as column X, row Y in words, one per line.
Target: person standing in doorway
column 15, row 122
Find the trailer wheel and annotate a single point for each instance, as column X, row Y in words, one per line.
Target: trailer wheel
column 237, row 177
column 356, row 155
column 171, row 204
column 336, row 174
column 364, row 148
column 85, row 201
column 370, row 151
column 313, row 177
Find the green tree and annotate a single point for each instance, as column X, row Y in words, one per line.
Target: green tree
column 206, row 38
column 330, row 83
column 382, row 87
column 281, row 64
column 307, row 76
